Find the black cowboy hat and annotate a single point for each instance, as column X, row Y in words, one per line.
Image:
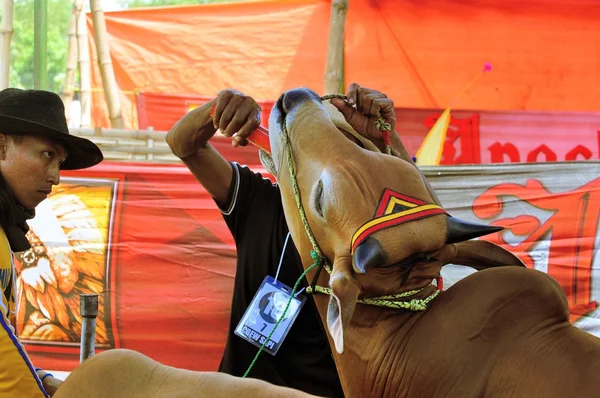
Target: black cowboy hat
column 42, row 113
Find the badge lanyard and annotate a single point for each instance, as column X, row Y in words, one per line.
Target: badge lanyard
column 281, row 262
column 267, row 308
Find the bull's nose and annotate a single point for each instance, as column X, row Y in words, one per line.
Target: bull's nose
column 295, row 97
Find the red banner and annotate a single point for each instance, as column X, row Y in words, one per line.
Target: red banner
column 151, row 241
column 165, row 266
column 473, row 137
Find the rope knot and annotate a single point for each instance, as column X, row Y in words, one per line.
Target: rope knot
column 383, row 125
column 317, row 258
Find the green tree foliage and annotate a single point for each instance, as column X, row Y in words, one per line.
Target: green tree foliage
column 59, row 14
column 21, row 54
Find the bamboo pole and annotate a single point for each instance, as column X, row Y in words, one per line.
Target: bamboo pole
column 40, row 44
column 334, row 67
column 67, row 95
column 6, row 29
column 109, row 83
column 83, row 54
column 120, row 133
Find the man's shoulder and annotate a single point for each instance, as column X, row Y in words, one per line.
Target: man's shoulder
column 256, row 174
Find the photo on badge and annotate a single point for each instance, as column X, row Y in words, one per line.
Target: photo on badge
column 266, row 309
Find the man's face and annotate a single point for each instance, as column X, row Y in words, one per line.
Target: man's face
column 30, row 166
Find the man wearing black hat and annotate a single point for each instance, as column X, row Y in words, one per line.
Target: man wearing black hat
column 35, row 145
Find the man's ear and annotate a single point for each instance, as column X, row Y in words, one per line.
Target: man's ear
column 267, row 161
column 3, row 141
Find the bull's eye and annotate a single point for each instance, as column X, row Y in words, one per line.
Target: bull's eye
column 318, row 198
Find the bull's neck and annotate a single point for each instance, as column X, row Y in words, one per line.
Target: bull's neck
column 365, row 352
column 371, row 330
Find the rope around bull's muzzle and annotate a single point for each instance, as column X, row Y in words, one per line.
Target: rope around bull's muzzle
column 390, row 301
column 320, row 261
column 382, row 125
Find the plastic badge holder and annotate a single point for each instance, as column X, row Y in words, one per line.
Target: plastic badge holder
column 264, row 311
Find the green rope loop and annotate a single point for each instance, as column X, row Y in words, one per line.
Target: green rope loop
column 296, row 189
column 389, row 301
column 330, row 96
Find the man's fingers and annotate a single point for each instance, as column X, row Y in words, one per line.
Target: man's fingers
column 222, row 100
column 352, row 93
column 227, row 116
column 387, row 111
column 343, row 107
column 366, row 103
column 250, row 124
column 381, row 107
column 238, row 119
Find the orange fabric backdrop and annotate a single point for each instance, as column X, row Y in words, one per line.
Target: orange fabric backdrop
column 421, row 53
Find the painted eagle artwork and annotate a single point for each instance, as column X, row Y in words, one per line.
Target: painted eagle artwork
column 68, row 257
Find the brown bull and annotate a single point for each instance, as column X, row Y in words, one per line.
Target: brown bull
column 501, row 332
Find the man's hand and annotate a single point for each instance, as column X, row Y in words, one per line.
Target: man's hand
column 236, row 115
column 362, row 109
column 50, row 383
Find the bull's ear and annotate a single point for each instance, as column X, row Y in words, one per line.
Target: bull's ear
column 345, row 290
column 267, row 161
column 481, row 254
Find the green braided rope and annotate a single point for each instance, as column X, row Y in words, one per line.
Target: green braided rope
column 383, row 125
column 330, row 96
column 296, row 189
column 389, row 301
column 318, row 260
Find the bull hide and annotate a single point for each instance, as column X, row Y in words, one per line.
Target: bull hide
column 503, row 331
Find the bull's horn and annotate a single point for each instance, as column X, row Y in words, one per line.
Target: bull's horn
column 367, row 255
column 459, row 230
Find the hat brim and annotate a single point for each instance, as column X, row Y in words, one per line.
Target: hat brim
column 81, row 152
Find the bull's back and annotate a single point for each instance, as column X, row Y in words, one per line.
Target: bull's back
column 561, row 361
column 470, row 330
column 126, row 373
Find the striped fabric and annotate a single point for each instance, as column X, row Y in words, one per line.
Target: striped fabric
column 18, row 377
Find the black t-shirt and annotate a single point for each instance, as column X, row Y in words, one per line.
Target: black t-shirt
column 254, row 215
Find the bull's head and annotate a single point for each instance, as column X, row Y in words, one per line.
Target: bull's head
column 346, row 190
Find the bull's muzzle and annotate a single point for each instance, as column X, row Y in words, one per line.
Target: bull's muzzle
column 298, row 96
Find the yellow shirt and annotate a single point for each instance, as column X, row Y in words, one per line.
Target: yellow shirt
column 18, row 377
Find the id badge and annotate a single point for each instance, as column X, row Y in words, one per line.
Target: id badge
column 264, row 311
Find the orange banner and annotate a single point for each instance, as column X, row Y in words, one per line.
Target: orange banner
column 420, row 53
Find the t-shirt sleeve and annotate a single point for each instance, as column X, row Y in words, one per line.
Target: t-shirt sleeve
column 253, row 200
column 18, row 377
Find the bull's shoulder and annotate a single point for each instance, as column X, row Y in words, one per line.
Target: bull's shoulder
column 467, row 328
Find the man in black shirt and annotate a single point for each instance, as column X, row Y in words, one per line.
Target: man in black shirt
column 251, row 206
